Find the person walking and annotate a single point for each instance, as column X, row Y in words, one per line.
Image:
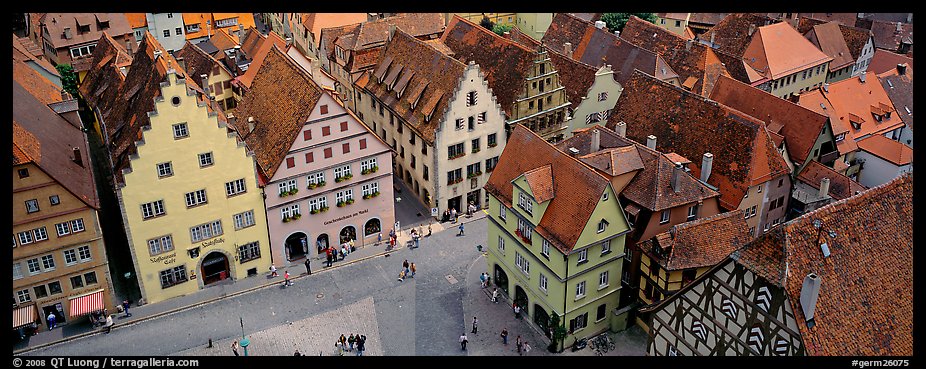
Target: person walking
column 273, row 271
column 235, row 347
column 527, row 347
column 495, row 295
column 350, row 342
column 51, row 321
column 286, row 281
column 517, row 311
column 328, row 255
column 109, row 323
column 416, row 237
column 429, row 229
column 463, row 341
column 519, row 344
column 412, row 269
column 461, row 230
column 297, row 353
column 453, row 214
column 308, row 267
column 361, row 345
column 475, row 321
column 505, row 336
column 405, row 266
column 125, row 307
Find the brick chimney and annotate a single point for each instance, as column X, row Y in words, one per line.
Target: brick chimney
column 596, row 141
column 902, row 68
column 706, row 162
column 651, row 142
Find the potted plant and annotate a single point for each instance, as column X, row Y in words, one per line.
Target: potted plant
column 375, row 193
column 313, row 211
column 323, row 209
column 341, row 203
column 367, row 196
column 286, row 219
column 349, row 201
column 297, row 216
column 293, row 191
column 312, row 185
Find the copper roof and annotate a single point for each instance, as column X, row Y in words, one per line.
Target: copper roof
column 777, row 50
column 690, row 59
column 691, row 125
column 504, row 63
column 829, row 39
column 887, row 149
column 432, row 79
column 701, row 243
column 576, row 186
column 841, row 187
column 800, row 126
column 651, row 187
column 281, row 99
column 865, row 303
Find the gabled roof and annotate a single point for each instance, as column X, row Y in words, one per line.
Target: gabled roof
column 197, row 61
column 778, row 50
column 588, row 17
column 100, row 87
column 281, row 99
column 372, row 35
column 853, row 101
column 708, row 19
column 504, row 63
column 701, row 243
column 137, row 20
column 651, row 188
column 732, row 34
column 38, row 86
column 884, row 61
column 315, row 22
column 575, row 76
column 540, row 181
column 576, row 186
column 691, row 125
column 329, row 35
column 223, row 41
column 887, row 37
column 841, row 187
column 689, row 59
column 257, row 57
column 57, row 22
column 887, row 149
column 252, row 41
column 829, row 39
column 865, row 303
column 22, row 53
column 856, row 39
column 799, row 126
column 515, row 34
column 45, row 138
column 899, row 89
column 430, row 79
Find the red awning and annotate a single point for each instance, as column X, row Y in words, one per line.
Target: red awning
column 84, row 304
column 23, row 316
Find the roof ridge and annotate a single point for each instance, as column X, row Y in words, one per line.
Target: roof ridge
column 867, row 193
column 489, row 32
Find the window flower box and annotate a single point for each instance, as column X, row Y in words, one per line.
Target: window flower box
column 369, row 170
column 473, row 175
column 493, row 144
column 349, row 201
column 462, row 154
column 286, row 219
column 341, row 204
column 296, row 216
column 323, row 209
column 344, row 178
column 455, row 181
column 475, row 150
column 289, row 193
column 371, row 195
column 314, row 211
column 313, row 186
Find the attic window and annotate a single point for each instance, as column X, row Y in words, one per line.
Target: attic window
column 175, row 100
column 83, row 28
column 602, row 225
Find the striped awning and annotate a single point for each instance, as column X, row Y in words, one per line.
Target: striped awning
column 84, row 304
column 23, row 316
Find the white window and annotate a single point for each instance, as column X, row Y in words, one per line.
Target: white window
column 194, row 198
column 341, row 172
column 290, row 211
column 692, row 212
column 244, row 220
column 315, row 178
column 501, row 244
column 664, row 217
column 248, row 252
column 63, row 229
column 165, row 169
column 70, row 257
column 605, row 196
column 34, row 266
column 525, row 229
column 318, row 203
column 580, row 290
column 502, row 211
column 160, row 245
column 40, row 234
column 180, row 130
column 343, row 196
column 205, row 160
column 48, row 262
column 287, row 186
column 522, row 263
column 77, row 225
column 23, row 296
column 605, row 247
column 602, row 225
column 525, row 203
column 366, row 165
column 82, row 51
column 235, row 187
column 32, row 206
column 583, row 256
column 543, row 283
column 545, row 249
column 25, row 237
column 603, row 279
column 17, row 271
column 152, row 209
column 84, row 253
column 370, row 188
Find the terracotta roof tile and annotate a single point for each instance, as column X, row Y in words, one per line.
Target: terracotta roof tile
column 856, row 39
column 328, row 36
column 258, row 57
column 777, row 50
column 26, row 148
column 197, row 61
column 37, row 85
column 841, row 187
column 522, row 38
column 852, row 100
column 576, row 186
column 223, row 41
column 315, row 22
column 435, row 78
column 575, row 76
column 614, row 161
column 540, row 181
column 691, row 125
column 252, row 41
column 887, row 149
column 137, row 20
column 731, row 34
column 884, row 61
column 703, row 242
column 799, row 126
column 57, row 22
column 281, row 99
column 23, row 51
column 829, row 39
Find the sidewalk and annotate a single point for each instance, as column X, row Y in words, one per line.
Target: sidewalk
column 82, row 328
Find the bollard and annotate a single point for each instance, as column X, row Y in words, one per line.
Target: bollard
column 244, row 344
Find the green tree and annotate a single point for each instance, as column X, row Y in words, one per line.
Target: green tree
column 559, row 334
column 616, row 21
column 487, row 23
column 500, row 29
column 68, row 78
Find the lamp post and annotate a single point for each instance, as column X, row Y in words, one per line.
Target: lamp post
column 244, row 341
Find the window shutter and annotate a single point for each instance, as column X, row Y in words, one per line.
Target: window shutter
column 343, row 126
column 327, row 153
column 290, row 162
column 307, row 135
column 363, row 143
column 309, row 157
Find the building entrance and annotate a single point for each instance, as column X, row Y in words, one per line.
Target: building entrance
column 297, row 246
column 215, row 268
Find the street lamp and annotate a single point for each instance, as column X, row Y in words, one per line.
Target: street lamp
column 244, row 341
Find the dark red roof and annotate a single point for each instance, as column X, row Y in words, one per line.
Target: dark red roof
column 575, row 76
column 701, row 243
column 841, row 187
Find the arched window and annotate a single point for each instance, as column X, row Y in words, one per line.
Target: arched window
column 372, row 227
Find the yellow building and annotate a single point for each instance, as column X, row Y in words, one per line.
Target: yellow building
column 673, row 22
column 497, row 18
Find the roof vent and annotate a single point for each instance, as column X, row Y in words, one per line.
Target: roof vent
column 901, row 69
column 810, row 291
column 621, row 129
column 596, row 140
column 707, row 161
column 573, row 151
column 601, row 24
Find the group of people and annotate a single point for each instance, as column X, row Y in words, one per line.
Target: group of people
column 333, row 254
column 348, row 343
column 451, row 215
column 408, row 270
column 485, row 279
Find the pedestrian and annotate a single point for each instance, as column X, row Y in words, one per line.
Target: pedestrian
column 402, row 275
column 453, row 214
column 344, row 251
column 495, row 295
column 273, row 271
column 286, row 279
column 505, row 336
column 392, row 233
column 361, row 345
column 343, row 342
column 527, row 347
column 416, row 237
column 391, row 243
column 235, row 347
column 412, row 269
column 51, row 321
column 461, row 230
column 350, row 342
column 297, row 353
column 379, row 238
column 517, row 311
column 475, row 321
column 429, row 229
column 125, row 307
column 351, row 244
column 519, row 344
column 308, row 268
column 109, row 323
column 405, row 265
column 463, row 341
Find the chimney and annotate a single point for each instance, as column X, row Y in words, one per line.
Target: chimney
column 688, row 45
column 391, row 32
column 567, row 49
column 861, row 77
column 65, row 96
column 677, row 171
column 596, row 141
column 651, row 142
column 752, row 29
column 706, row 163
column 826, row 88
column 250, row 124
column 902, row 68
column 712, row 38
column 621, row 129
column 573, row 151
column 898, row 30
column 67, row 33
column 507, row 35
column 824, row 188
column 205, row 78
column 289, row 41
column 810, row 291
column 599, row 24
column 77, row 158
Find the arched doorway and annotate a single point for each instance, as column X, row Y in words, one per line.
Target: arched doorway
column 347, row 233
column 542, row 319
column 520, row 298
column 501, row 279
column 296, row 246
column 372, row 227
column 322, row 242
column 214, row 268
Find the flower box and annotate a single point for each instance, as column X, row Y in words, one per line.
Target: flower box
column 343, row 178
column 457, row 156
column 316, row 185
column 349, row 201
column 453, row 182
column 475, row 150
column 371, row 195
column 323, row 209
column 289, row 193
column 286, row 219
column 493, row 144
column 340, row 204
column 369, row 170
column 297, row 216
column 472, row 175
column 313, row 211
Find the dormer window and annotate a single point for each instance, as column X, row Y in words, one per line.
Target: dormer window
column 83, row 28
column 840, row 137
column 525, row 203
column 602, row 225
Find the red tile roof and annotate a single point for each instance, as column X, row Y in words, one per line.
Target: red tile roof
column 691, row 125
column 575, row 76
column 281, row 99
column 24, row 53
column 841, row 187
column 852, row 100
column 37, row 85
column 432, row 79
column 899, row 89
column 884, row 61
column 540, row 181
column 887, row 37
column 887, row 149
column 198, row 62
column 865, row 303
column 701, row 243
column 100, row 86
column 777, row 50
column 257, row 57
column 57, row 22
column 829, row 39
column 26, row 148
column 577, row 187
column 799, row 126
column 315, row 22
column 137, row 20
column 816, row 101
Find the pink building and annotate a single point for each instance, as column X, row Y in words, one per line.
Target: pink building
column 327, row 178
